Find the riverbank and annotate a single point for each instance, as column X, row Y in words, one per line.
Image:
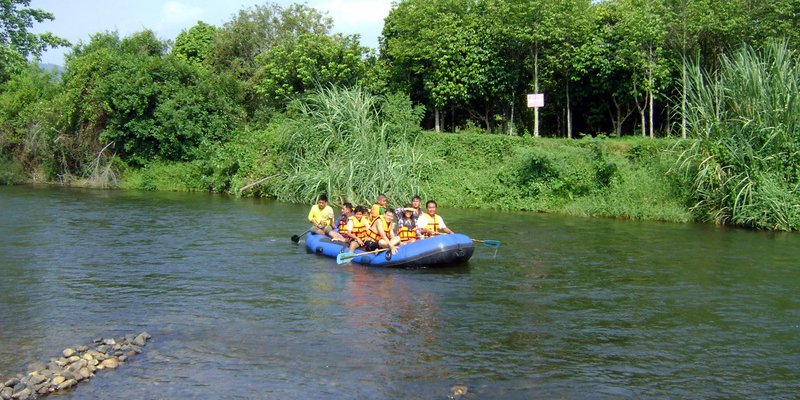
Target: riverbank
column 625, row 178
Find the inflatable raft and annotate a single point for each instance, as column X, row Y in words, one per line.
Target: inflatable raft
column 436, row 251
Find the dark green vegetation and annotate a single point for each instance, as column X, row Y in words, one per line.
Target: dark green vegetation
column 273, row 104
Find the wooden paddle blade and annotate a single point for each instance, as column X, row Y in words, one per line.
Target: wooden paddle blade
column 345, row 257
column 295, row 238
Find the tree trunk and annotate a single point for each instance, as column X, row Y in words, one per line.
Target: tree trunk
column 436, row 119
column 536, row 88
column 569, row 115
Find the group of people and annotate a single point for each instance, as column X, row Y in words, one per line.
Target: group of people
column 376, row 228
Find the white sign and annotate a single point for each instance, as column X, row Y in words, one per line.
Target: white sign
column 535, row 100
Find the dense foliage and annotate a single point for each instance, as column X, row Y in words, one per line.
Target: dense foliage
column 744, row 164
column 272, row 103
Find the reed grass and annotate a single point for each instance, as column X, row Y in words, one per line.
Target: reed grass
column 744, row 161
column 350, row 144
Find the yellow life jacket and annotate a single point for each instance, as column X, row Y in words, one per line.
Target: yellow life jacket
column 433, row 224
column 374, row 235
column 360, row 227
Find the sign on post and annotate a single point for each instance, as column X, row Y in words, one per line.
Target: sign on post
column 535, row 100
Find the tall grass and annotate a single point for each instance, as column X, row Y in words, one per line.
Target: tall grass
column 744, row 162
column 351, row 145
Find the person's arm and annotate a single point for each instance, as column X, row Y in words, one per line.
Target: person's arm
column 442, row 226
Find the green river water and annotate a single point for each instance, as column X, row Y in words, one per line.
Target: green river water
column 568, row 308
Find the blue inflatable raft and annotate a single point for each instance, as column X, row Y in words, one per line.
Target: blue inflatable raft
column 436, row 251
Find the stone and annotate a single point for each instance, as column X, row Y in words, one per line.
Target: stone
column 102, row 348
column 458, row 390
column 110, row 363
column 58, row 380
column 37, row 366
column 137, row 349
column 73, row 359
column 82, row 348
column 122, row 358
column 6, row 393
column 36, row 378
column 23, row 394
column 85, row 373
column 140, row 340
column 109, row 342
column 129, row 337
column 67, row 384
column 68, row 352
column 11, row 382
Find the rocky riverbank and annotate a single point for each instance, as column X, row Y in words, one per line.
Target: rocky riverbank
column 73, row 366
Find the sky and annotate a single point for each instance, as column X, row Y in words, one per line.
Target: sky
column 76, row 20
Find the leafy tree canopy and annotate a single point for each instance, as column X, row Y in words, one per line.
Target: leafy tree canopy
column 17, row 44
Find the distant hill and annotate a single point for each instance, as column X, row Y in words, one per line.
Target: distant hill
column 58, row 69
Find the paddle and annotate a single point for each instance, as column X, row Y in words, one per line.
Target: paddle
column 296, row 238
column 488, row 243
column 345, row 257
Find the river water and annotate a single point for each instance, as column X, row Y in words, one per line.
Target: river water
column 568, row 308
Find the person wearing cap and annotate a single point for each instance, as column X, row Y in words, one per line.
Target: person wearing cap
column 430, row 223
column 415, row 202
column 321, row 216
column 407, row 225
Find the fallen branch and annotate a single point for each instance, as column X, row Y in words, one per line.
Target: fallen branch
column 262, row 180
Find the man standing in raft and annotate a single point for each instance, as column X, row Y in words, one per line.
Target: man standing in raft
column 431, row 224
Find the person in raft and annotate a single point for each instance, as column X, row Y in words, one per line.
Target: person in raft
column 407, row 226
column 379, row 208
column 415, row 203
column 431, row 224
column 321, row 216
column 357, row 227
column 381, row 233
column 339, row 232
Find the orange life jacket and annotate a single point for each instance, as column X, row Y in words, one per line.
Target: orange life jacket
column 343, row 225
column 406, row 233
column 373, row 231
column 360, row 227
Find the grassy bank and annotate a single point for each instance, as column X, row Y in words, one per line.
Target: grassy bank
column 621, row 178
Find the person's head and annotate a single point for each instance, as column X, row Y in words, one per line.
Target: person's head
column 382, row 199
column 389, row 215
column 408, row 211
column 347, row 208
column 322, row 201
column 415, row 202
column 360, row 211
column 431, row 207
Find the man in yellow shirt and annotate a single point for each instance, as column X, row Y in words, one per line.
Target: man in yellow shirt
column 321, row 216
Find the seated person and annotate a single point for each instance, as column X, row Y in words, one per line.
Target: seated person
column 357, row 227
column 407, row 226
column 381, row 233
column 415, row 202
column 321, row 216
column 431, row 224
column 339, row 232
column 379, row 207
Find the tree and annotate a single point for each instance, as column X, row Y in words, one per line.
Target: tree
column 196, row 44
column 17, row 45
column 257, row 30
column 293, row 67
